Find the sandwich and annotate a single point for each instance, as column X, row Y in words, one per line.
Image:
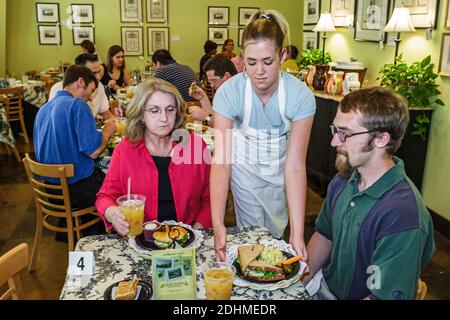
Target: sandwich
column 192, row 88
column 127, row 289
column 257, row 269
column 162, row 237
column 179, row 234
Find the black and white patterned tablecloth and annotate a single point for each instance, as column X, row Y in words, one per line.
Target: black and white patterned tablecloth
column 115, row 261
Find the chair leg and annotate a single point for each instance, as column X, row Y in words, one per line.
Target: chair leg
column 77, row 224
column 37, row 239
column 71, row 243
column 24, row 129
column 16, row 153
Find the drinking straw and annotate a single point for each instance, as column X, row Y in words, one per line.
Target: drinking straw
column 129, row 188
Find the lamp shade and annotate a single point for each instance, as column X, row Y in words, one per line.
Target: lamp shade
column 325, row 23
column 400, row 21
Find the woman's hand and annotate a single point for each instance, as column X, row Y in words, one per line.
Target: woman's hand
column 116, row 218
column 220, row 242
column 298, row 243
column 113, row 85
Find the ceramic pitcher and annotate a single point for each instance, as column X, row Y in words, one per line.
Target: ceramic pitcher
column 334, row 82
column 310, row 75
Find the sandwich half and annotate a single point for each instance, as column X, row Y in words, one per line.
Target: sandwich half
column 248, row 253
column 262, row 271
column 162, row 238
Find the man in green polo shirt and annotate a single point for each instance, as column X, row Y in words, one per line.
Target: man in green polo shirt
column 373, row 234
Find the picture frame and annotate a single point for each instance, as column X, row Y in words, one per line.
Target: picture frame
column 218, row 35
column 49, row 35
column 131, row 11
column 423, row 13
column 219, row 16
column 444, row 60
column 343, row 12
column 132, row 41
column 371, row 18
column 244, row 14
column 447, row 17
column 157, row 38
column 82, row 13
column 157, row 11
column 311, row 12
column 47, row 12
column 81, row 33
column 310, row 40
column 240, row 33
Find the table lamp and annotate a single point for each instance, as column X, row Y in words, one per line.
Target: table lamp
column 400, row 22
column 325, row 24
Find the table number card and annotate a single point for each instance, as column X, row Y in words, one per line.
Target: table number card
column 81, row 263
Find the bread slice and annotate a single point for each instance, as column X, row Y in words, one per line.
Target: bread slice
column 127, row 289
column 249, row 253
column 264, row 266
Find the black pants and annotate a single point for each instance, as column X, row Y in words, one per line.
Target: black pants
column 82, row 195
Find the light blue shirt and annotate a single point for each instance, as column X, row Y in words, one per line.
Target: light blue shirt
column 230, row 98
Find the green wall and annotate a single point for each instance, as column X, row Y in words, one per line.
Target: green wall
column 2, row 38
column 188, row 19
column 414, row 46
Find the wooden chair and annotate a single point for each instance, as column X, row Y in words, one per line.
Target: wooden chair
column 48, row 82
column 11, row 263
column 12, row 102
column 421, row 290
column 31, row 74
column 46, row 202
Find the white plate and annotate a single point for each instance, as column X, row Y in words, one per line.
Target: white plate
column 232, row 254
column 148, row 253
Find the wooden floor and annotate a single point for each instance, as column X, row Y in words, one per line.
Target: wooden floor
column 17, row 223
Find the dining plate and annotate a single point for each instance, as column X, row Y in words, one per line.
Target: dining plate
column 287, row 255
column 143, row 292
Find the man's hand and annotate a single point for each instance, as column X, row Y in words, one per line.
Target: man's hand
column 220, row 242
column 110, row 127
column 116, row 218
column 199, row 94
column 198, row 113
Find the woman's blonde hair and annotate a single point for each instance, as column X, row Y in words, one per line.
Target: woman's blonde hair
column 135, row 111
column 267, row 25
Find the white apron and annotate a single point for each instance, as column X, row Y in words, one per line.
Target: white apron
column 257, row 171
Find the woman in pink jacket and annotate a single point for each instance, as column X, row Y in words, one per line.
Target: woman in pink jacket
column 173, row 175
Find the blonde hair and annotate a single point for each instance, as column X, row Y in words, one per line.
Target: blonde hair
column 267, row 25
column 135, row 111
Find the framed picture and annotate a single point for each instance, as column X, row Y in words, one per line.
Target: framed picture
column 132, row 43
column 240, row 33
column 310, row 40
column 444, row 62
column 158, row 38
column 371, row 18
column 47, row 12
column 82, row 13
column 447, row 17
column 219, row 15
column 311, row 11
column 342, row 12
column 423, row 12
column 245, row 13
column 131, row 10
column 157, row 11
column 218, row 35
column 49, row 35
column 81, row 33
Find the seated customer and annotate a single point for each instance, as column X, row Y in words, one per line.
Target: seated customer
column 173, row 176
column 168, row 69
column 227, row 49
column 65, row 132
column 115, row 75
column 374, row 234
column 290, row 65
column 210, row 48
column 99, row 103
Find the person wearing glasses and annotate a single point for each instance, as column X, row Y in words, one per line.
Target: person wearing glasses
column 262, row 121
column 374, row 234
column 169, row 173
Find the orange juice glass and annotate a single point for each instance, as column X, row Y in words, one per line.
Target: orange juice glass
column 219, row 277
column 121, row 124
column 133, row 210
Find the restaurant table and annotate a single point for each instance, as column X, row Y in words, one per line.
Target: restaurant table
column 115, row 261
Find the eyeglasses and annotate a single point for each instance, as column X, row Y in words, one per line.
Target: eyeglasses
column 155, row 111
column 342, row 136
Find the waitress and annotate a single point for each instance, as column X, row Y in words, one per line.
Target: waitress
column 263, row 119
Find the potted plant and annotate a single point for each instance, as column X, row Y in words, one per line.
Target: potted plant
column 417, row 83
column 312, row 57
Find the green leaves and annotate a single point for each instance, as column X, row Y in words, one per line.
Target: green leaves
column 312, row 57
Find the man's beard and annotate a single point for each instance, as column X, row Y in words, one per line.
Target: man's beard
column 342, row 162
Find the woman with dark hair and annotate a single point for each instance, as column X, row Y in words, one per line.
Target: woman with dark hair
column 227, row 49
column 115, row 75
column 210, row 48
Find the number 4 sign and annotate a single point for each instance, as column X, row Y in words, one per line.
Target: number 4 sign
column 81, row 263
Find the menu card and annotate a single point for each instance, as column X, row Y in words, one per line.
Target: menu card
column 173, row 273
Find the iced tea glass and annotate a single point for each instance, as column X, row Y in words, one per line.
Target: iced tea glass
column 132, row 209
column 219, row 277
column 121, row 124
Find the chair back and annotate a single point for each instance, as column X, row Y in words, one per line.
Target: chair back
column 12, row 102
column 11, row 263
column 48, row 83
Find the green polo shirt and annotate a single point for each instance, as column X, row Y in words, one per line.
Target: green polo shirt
column 381, row 237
